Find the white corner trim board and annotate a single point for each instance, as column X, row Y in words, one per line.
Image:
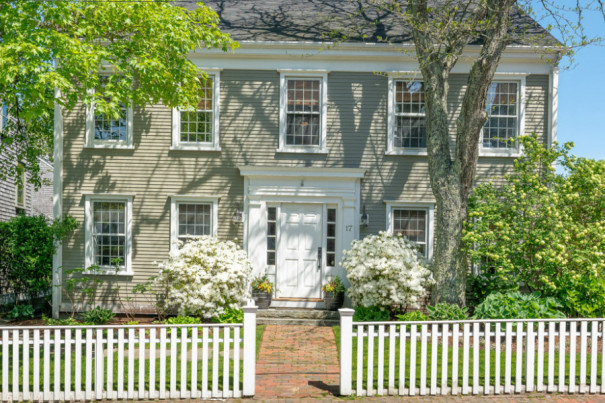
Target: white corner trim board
column 57, row 203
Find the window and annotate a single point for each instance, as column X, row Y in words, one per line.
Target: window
column 4, row 118
column 192, row 216
column 108, row 233
column 197, row 129
column 20, row 193
column 303, row 113
column 104, row 131
column 271, row 235
column 406, row 120
column 413, row 221
column 331, row 238
column 505, row 121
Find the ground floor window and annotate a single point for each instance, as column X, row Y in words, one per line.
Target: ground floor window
column 331, row 238
column 192, row 217
column 414, row 222
column 108, row 232
column 271, row 235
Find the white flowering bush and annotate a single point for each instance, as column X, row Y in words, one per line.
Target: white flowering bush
column 204, row 277
column 386, row 270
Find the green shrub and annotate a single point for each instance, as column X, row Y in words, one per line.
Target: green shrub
column 445, row 311
column 26, row 253
column 413, row 316
column 60, row 322
column 371, row 314
column 230, row 316
column 514, row 305
column 21, row 312
column 97, row 316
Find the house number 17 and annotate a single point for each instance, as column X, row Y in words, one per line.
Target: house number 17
column 349, row 228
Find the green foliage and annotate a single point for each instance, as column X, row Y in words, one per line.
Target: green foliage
column 182, row 320
column 412, row 316
column 26, row 251
column 132, row 322
column 262, row 283
column 230, row 316
column 445, row 311
column 21, row 312
column 542, row 231
column 97, row 316
column 371, row 314
column 64, row 44
column 60, row 322
column 514, row 305
column 335, row 285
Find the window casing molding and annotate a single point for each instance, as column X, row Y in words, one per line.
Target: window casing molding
column 393, row 77
column 91, row 142
column 516, row 151
column 21, row 193
column 430, row 220
column 89, row 252
column 284, row 76
column 175, row 200
column 214, row 145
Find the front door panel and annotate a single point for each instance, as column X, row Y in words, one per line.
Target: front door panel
column 300, row 236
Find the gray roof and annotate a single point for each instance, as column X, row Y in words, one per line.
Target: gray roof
column 317, row 21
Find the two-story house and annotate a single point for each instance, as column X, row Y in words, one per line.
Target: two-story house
column 299, row 146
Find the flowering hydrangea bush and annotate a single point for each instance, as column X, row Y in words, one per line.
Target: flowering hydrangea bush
column 386, row 270
column 204, row 278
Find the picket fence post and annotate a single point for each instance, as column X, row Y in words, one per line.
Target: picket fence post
column 346, row 350
column 249, row 348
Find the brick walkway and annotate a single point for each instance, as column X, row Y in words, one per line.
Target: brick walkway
column 297, row 362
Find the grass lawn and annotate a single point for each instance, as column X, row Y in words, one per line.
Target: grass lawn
column 214, row 368
column 481, row 372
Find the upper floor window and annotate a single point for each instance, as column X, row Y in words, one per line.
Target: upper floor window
column 303, row 112
column 505, row 118
column 198, row 128
column 108, row 233
column 406, row 120
column 192, row 216
column 105, row 131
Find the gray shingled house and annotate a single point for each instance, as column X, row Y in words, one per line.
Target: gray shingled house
column 296, row 149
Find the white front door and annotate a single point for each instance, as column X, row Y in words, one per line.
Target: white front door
column 298, row 268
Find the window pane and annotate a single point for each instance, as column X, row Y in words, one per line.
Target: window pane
column 303, row 112
column 500, row 130
column 302, row 129
column 109, row 237
column 108, row 128
column 194, row 219
column 271, row 234
column 410, row 129
column 411, row 224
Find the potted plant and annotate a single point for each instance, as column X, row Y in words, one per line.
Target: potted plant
column 334, row 294
column 262, row 289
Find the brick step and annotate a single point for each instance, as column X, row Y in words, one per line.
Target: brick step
column 297, row 321
column 310, row 314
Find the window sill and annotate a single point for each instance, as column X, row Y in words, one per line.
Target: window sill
column 499, row 153
column 110, row 146
column 194, row 148
column 409, row 152
column 108, row 272
column 302, row 150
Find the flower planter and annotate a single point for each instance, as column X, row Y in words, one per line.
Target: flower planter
column 262, row 299
column 333, row 301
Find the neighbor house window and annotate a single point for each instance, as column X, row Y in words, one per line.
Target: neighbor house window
column 108, row 233
column 414, row 222
column 105, row 131
column 407, row 118
column 303, row 113
column 197, row 128
column 271, row 235
column 192, row 217
column 20, row 193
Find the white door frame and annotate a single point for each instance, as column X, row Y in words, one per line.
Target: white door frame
column 337, row 187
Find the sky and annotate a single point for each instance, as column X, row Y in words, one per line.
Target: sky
column 582, row 97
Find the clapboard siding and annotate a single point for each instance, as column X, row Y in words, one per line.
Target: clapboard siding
column 249, row 125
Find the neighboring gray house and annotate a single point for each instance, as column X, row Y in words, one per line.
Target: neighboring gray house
column 297, row 148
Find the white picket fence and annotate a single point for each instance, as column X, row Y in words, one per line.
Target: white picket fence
column 63, row 363
column 471, row 357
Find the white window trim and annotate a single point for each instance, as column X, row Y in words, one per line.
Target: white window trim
column 391, row 149
column 24, row 185
column 215, row 74
column 90, row 132
column 284, row 75
column 518, row 149
column 88, row 226
column 430, row 216
column 193, row 199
